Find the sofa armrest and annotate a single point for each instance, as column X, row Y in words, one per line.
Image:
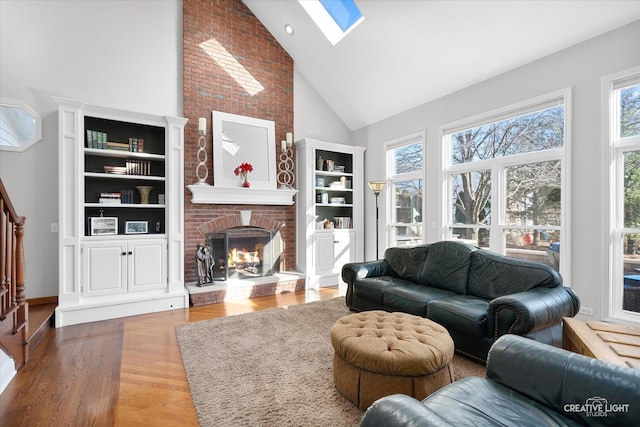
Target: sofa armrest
column 536, row 309
column 566, row 382
column 360, row 270
column 396, row 410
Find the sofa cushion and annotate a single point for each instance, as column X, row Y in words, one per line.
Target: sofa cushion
column 474, row 401
column 492, row 275
column 413, row 298
column 447, row 266
column 464, row 313
column 373, row 288
column 406, row 263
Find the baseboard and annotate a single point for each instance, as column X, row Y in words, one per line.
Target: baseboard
column 7, row 370
column 73, row 315
column 43, row 300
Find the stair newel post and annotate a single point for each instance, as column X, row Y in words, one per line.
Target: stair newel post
column 21, row 301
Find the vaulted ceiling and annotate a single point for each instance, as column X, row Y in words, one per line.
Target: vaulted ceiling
column 407, row 53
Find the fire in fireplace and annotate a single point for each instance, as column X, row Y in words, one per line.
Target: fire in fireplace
column 242, row 253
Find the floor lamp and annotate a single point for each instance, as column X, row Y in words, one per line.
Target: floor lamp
column 376, row 187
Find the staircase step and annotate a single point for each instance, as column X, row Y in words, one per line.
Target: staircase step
column 40, row 320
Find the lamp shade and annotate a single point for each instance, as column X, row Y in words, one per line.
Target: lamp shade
column 376, row 186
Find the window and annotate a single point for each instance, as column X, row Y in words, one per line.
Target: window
column 505, row 180
column 335, row 18
column 405, row 159
column 622, row 106
column 20, row 126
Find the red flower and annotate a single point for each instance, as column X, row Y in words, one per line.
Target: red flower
column 243, row 169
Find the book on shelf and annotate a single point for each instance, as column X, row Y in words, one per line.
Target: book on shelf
column 117, row 146
column 96, row 139
column 127, row 196
column 110, row 201
column 136, row 145
column 110, row 198
column 107, row 195
column 138, row 167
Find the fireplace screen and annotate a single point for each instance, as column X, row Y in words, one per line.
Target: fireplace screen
column 241, row 253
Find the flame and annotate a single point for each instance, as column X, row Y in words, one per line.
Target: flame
column 242, row 256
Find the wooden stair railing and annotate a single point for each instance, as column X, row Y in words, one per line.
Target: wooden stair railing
column 14, row 309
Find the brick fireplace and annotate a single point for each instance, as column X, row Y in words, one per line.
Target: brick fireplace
column 247, row 287
column 208, row 87
column 252, row 233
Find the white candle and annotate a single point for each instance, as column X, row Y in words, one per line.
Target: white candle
column 202, row 125
column 284, row 145
column 289, row 139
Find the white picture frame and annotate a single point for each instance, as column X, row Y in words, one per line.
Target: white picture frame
column 103, row 225
column 136, row 227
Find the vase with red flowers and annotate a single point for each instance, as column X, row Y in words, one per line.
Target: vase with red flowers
column 243, row 171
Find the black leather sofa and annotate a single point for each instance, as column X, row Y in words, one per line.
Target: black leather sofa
column 476, row 294
column 527, row 384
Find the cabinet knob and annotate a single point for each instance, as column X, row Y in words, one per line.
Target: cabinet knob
column 124, row 254
column 130, row 253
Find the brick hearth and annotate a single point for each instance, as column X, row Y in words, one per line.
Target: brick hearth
column 240, row 289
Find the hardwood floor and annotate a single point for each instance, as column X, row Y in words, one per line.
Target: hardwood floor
column 123, row 372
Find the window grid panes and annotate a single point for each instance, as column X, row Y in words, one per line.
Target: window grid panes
column 406, row 215
column 630, row 112
column 625, row 191
column 405, row 189
column 505, row 182
column 540, row 130
column 533, row 194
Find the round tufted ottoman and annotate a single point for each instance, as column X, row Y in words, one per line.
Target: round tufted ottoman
column 379, row 353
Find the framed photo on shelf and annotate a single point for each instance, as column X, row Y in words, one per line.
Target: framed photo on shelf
column 103, row 225
column 136, row 227
column 319, row 181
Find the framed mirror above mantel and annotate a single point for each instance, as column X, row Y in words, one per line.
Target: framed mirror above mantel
column 236, row 140
column 255, row 141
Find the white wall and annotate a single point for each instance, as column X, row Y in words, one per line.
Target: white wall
column 313, row 118
column 118, row 54
column 580, row 67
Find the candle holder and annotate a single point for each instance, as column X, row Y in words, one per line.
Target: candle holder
column 286, row 176
column 201, row 155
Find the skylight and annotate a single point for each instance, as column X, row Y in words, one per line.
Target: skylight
column 335, row 18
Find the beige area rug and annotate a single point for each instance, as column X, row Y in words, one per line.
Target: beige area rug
column 272, row 368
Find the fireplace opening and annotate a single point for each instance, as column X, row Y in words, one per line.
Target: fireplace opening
column 242, row 253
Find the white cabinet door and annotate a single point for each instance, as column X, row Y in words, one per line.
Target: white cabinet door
column 147, row 268
column 323, row 257
column 344, row 249
column 104, row 267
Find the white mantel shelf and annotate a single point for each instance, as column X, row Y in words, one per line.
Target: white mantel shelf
column 208, row 194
